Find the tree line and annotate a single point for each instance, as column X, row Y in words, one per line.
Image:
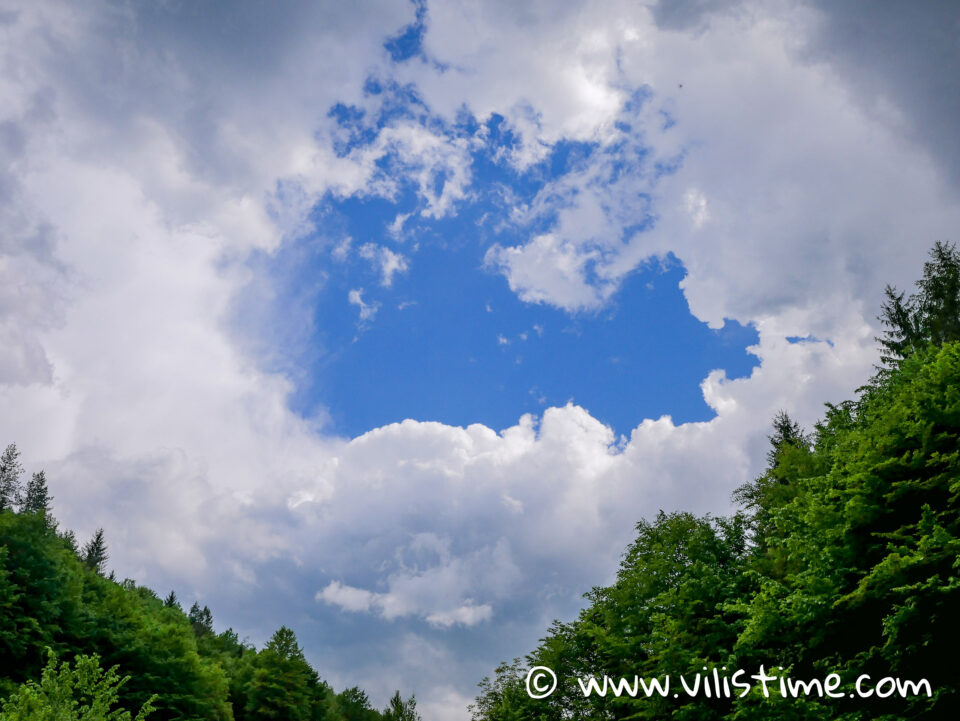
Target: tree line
column 69, row 629
column 843, row 557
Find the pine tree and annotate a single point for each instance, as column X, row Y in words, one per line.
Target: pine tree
column 95, row 554
column 70, row 540
column 400, row 710
column 929, row 316
column 37, row 498
column 10, row 472
column 201, row 619
column 171, row 601
column 786, row 432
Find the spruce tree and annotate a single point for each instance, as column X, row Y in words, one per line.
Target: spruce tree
column 37, row 498
column 171, row 601
column 95, row 553
column 201, row 619
column 10, row 472
column 931, row 316
column 69, row 539
column 400, row 710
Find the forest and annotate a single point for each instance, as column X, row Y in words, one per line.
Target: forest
column 842, row 558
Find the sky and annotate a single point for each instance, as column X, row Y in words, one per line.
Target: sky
column 387, row 321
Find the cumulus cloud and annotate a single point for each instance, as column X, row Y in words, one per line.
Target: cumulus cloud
column 147, row 154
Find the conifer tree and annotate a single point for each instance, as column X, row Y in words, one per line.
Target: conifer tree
column 70, row 539
column 10, row 472
column 400, row 710
column 201, row 619
column 95, row 554
column 171, row 601
column 931, row 316
column 37, row 497
column 786, row 432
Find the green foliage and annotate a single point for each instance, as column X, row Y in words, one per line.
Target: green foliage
column 352, row 704
column 83, row 693
column 95, row 554
column 929, row 316
column 37, row 498
column 201, row 619
column 284, row 686
column 401, row 710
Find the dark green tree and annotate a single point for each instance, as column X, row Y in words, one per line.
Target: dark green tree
column 95, row 554
column 401, row 710
column 284, row 686
column 931, row 316
column 353, row 704
column 69, row 539
column 171, row 600
column 201, row 619
column 37, row 498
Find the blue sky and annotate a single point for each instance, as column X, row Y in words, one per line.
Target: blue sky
column 446, row 339
column 387, row 321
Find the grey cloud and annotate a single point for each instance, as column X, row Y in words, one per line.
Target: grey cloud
column 906, row 52
column 688, row 14
column 901, row 52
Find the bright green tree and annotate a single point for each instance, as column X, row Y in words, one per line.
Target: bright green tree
column 85, row 692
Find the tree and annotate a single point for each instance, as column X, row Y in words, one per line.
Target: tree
column 400, row 710
column 284, row 686
column 171, row 601
column 10, row 472
column 201, row 619
column 95, row 554
column 83, row 693
column 353, row 704
column 37, row 498
column 789, row 452
column 69, row 539
column 929, row 316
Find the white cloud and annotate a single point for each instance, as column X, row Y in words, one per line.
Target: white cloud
column 144, row 162
column 367, row 310
column 385, row 260
column 347, row 597
column 391, row 607
column 548, row 269
column 467, row 615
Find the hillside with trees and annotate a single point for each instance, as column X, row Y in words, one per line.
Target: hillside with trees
column 844, row 557
column 75, row 643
